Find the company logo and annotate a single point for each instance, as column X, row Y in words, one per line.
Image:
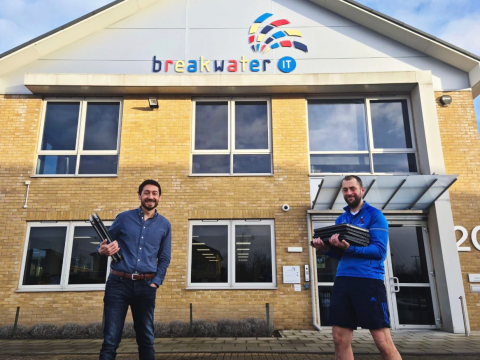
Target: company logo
column 270, row 38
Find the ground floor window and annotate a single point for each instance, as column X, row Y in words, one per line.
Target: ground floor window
column 232, row 254
column 62, row 256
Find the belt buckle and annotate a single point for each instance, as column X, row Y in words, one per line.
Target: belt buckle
column 135, row 273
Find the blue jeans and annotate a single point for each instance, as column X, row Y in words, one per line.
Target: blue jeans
column 140, row 296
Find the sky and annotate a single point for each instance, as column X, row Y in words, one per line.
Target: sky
column 455, row 21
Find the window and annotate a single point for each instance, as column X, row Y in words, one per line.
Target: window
column 62, row 256
column 79, row 138
column 361, row 136
column 232, row 254
column 231, row 137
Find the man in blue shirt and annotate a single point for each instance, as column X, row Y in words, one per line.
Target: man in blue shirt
column 359, row 296
column 144, row 236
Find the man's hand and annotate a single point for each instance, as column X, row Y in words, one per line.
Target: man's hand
column 108, row 249
column 318, row 244
column 154, row 285
column 340, row 244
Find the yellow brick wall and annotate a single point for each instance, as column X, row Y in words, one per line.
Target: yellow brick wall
column 155, row 144
column 461, row 150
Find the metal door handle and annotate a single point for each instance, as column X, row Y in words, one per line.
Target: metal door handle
column 396, row 284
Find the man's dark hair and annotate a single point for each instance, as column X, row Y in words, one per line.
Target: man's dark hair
column 149, row 182
column 351, row 177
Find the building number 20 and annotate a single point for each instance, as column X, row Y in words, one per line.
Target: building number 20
column 465, row 236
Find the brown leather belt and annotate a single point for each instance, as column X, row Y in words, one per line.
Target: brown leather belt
column 132, row 276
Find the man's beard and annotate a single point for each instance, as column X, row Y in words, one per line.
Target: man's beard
column 355, row 202
column 149, row 205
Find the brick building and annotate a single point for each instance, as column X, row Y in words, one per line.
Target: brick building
column 261, row 104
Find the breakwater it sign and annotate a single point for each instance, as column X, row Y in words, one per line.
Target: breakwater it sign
column 262, row 39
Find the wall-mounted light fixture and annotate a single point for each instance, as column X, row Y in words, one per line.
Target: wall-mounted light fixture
column 153, row 102
column 446, row 100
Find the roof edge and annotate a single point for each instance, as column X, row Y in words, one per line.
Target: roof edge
column 60, row 28
column 411, row 28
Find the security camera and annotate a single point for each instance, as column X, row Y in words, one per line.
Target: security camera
column 285, row 207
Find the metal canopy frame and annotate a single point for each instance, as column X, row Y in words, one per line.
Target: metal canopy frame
column 397, row 192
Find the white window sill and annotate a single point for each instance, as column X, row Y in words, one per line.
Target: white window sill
column 73, row 176
column 39, row 289
column 229, row 288
column 228, row 175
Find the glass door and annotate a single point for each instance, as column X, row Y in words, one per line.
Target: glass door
column 326, row 268
column 409, row 279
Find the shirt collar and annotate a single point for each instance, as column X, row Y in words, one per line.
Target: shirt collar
column 365, row 205
column 141, row 214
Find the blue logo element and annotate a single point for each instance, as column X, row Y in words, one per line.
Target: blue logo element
column 287, row 64
column 373, row 299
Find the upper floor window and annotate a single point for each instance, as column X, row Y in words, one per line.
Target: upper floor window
column 231, row 137
column 363, row 135
column 62, row 256
column 79, row 137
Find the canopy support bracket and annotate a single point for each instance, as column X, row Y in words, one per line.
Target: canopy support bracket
column 336, row 195
column 394, row 193
column 421, row 195
column 318, row 193
column 433, row 202
column 369, row 187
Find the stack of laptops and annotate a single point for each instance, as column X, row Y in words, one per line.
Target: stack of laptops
column 352, row 234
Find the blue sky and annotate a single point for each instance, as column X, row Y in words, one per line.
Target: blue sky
column 455, row 21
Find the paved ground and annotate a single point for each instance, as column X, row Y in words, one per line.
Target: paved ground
column 412, row 345
column 237, row 356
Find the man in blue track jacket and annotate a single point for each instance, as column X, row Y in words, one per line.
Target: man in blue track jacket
column 359, row 296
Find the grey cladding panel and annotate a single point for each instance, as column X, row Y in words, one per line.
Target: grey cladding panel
column 226, row 14
column 166, row 14
column 303, row 13
column 126, row 44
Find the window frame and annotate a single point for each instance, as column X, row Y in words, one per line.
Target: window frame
column 231, row 101
column 78, row 152
column 371, row 150
column 67, row 255
column 231, row 284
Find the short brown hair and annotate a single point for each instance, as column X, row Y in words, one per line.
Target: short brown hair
column 149, row 182
column 351, row 177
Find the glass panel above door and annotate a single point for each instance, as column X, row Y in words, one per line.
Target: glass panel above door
column 390, row 124
column 337, row 125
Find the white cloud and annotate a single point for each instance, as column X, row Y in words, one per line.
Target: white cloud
column 456, row 21
column 463, row 33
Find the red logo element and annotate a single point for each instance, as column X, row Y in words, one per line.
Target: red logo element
column 361, row 220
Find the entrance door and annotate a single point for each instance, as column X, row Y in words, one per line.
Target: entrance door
column 409, row 279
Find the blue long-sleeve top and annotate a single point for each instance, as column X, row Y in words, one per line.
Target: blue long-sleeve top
column 358, row 261
column 146, row 246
